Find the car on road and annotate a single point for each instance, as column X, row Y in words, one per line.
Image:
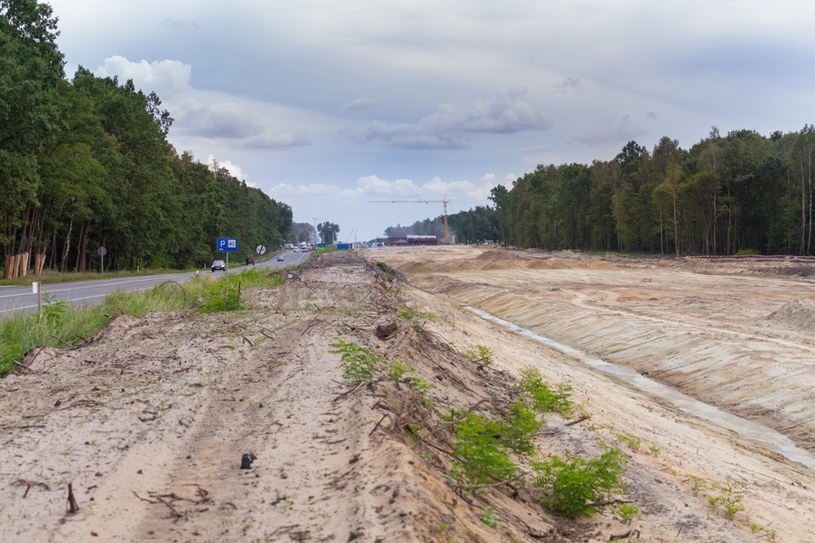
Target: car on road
column 280, row 259
column 219, row 265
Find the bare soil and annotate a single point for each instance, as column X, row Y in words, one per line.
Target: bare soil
column 150, row 420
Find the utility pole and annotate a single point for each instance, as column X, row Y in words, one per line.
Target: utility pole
column 316, row 233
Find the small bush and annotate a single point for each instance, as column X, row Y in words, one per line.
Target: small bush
column 571, row 486
column 489, row 518
column 543, row 398
column 414, row 317
column 632, row 442
column 480, row 354
column 626, row 512
column 221, row 295
column 396, row 371
column 481, row 457
column 729, row 498
column 519, row 428
column 359, row 364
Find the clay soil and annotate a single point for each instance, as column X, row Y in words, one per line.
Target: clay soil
column 149, row 421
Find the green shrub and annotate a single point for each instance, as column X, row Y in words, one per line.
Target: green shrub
column 414, row 317
column 632, row 442
column 519, row 428
column 480, row 354
column 626, row 512
column 359, row 364
column 221, row 295
column 543, row 398
column 729, row 498
column 570, row 486
column 489, row 518
column 396, row 371
column 481, row 458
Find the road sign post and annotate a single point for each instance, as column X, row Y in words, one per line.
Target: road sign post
column 227, row 245
column 102, row 252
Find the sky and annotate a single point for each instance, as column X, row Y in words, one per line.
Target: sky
column 330, row 105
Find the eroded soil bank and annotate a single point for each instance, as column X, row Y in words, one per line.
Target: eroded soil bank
column 149, row 421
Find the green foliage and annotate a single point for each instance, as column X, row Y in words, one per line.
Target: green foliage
column 480, row 354
column 519, row 427
column 632, row 442
column 396, row 371
column 387, row 273
column 489, row 517
column 359, row 364
column 543, row 398
column 728, row 498
column 571, row 486
column 53, row 310
column 414, row 317
column 221, row 295
column 626, row 512
column 481, row 458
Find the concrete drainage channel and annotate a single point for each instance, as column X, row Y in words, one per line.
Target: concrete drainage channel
column 752, row 432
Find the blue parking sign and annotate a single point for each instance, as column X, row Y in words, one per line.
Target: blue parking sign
column 228, row 245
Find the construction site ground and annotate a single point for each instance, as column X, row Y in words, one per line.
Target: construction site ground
column 148, row 423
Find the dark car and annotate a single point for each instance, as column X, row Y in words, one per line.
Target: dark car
column 250, row 260
column 219, row 265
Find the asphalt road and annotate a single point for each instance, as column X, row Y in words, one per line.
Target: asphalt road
column 16, row 299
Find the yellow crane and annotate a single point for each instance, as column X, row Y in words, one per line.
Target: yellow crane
column 445, row 201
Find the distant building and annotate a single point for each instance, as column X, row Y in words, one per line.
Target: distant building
column 410, row 239
column 422, row 240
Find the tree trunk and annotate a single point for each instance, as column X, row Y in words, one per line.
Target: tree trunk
column 63, row 266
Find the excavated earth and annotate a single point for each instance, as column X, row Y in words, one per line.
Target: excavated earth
column 148, row 423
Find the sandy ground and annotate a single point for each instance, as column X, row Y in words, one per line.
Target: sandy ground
column 148, row 422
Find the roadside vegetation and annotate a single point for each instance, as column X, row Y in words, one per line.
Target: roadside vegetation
column 62, row 326
column 490, row 450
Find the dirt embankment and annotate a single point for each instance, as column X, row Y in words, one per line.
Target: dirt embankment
column 149, row 422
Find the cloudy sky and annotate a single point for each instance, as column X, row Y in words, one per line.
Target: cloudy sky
column 328, row 104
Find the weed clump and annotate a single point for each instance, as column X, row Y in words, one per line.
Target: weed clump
column 543, row 398
column 572, row 486
column 359, row 364
column 480, row 354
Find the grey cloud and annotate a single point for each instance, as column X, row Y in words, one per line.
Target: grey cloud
column 450, row 126
column 623, row 130
column 359, row 104
column 180, row 23
column 220, row 122
column 569, row 84
column 276, row 140
column 408, row 136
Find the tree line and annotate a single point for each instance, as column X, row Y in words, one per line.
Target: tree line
column 86, row 164
column 739, row 193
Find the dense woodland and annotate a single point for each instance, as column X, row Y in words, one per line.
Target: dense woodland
column 740, row 193
column 86, row 163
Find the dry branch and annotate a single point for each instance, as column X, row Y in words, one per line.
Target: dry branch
column 73, row 507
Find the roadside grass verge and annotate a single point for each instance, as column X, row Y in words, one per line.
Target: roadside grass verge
column 50, row 277
column 62, row 326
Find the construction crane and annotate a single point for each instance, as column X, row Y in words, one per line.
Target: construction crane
column 419, row 201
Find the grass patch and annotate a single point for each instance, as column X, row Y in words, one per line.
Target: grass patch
column 60, row 325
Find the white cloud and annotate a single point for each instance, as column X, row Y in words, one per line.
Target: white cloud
column 233, row 169
column 166, row 77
